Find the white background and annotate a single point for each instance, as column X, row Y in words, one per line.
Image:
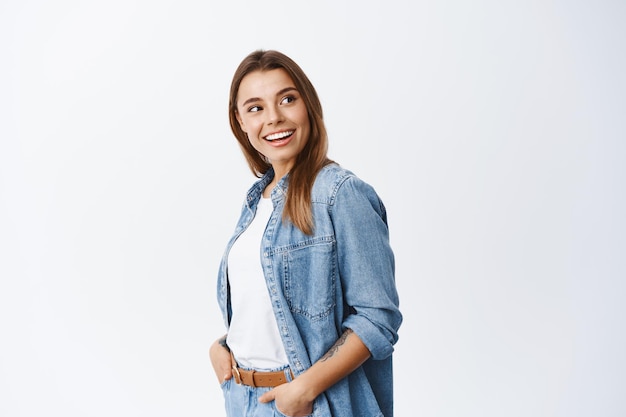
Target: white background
column 493, row 130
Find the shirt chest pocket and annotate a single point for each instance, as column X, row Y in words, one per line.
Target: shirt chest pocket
column 309, row 279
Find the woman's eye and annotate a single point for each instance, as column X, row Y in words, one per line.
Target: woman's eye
column 287, row 100
column 255, row 109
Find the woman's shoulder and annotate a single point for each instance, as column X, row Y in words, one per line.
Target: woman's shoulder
column 329, row 181
column 330, row 177
column 333, row 172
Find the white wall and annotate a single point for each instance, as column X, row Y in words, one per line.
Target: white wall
column 494, row 131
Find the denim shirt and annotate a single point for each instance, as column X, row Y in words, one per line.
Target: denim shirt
column 341, row 276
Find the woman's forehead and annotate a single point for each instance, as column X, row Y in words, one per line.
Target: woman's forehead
column 264, row 83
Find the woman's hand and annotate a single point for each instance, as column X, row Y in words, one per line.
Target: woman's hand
column 291, row 399
column 221, row 361
column 296, row 397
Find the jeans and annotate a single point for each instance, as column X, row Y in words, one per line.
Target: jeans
column 243, row 401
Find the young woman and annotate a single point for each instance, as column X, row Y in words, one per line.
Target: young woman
column 306, row 284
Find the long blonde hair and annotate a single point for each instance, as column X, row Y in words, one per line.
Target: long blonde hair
column 314, row 155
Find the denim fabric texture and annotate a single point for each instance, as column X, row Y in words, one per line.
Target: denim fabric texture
column 243, row 401
column 341, row 276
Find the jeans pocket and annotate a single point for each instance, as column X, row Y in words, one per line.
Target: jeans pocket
column 224, row 385
column 279, row 413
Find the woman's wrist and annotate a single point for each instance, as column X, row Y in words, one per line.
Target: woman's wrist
column 308, row 388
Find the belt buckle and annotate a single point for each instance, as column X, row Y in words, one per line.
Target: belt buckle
column 236, row 375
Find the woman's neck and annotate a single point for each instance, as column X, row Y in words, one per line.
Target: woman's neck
column 278, row 175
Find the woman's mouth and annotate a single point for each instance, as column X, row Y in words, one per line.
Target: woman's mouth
column 279, row 135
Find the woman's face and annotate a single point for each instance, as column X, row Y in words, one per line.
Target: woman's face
column 274, row 116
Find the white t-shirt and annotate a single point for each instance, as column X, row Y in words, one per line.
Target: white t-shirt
column 253, row 334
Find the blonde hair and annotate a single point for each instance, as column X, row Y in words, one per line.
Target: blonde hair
column 314, row 155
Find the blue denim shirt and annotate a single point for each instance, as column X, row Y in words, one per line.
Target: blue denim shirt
column 341, row 276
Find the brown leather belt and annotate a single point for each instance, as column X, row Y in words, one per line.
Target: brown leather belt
column 258, row 379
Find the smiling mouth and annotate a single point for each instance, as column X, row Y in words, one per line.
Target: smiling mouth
column 279, row 135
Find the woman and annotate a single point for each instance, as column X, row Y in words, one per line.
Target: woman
column 306, row 284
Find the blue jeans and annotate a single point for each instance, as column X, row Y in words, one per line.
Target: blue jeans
column 243, row 401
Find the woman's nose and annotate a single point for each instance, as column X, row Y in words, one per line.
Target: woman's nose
column 274, row 115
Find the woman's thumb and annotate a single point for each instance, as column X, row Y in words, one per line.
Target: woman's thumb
column 267, row 397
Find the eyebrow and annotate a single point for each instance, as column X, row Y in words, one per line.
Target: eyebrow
column 281, row 92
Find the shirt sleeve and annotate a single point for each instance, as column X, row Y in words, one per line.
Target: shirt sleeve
column 366, row 266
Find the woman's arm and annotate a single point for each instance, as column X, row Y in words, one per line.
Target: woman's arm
column 220, row 359
column 296, row 398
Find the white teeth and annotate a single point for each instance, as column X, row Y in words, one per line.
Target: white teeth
column 279, row 135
